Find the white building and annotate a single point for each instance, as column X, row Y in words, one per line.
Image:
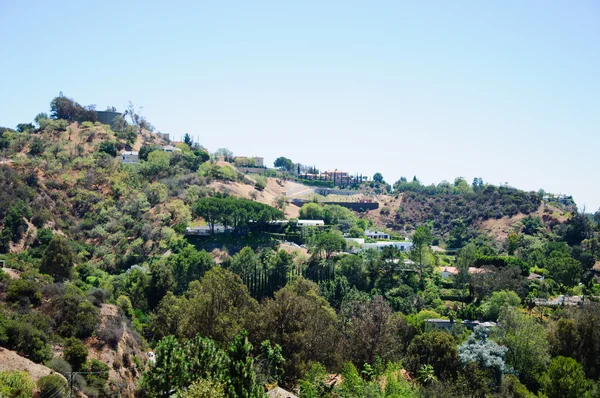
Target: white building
column 129, row 157
column 358, row 244
column 403, row 246
column 377, row 234
column 310, row 223
column 204, row 230
column 170, row 149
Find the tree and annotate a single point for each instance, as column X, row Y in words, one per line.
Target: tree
column 137, row 119
column 63, row 107
column 167, row 316
column 269, row 363
column 314, row 339
column 378, row 177
column 241, row 380
column 203, row 388
column 226, row 153
column 25, row 127
column 25, row 291
column 57, row 260
column 488, row 355
column 528, row 349
column 187, row 139
column 283, row 163
column 75, row 352
column 491, row 307
column 161, row 281
column 564, row 338
column 168, row 371
column 218, row 306
column 588, row 350
column 281, row 202
column 328, row 243
column 421, row 240
column 108, row 147
column 374, row 332
column 189, row 265
column 158, row 164
column 564, row 269
column 145, row 150
column 437, row 349
column 352, row 385
column 37, row 147
column 459, row 235
column 119, row 124
column 565, row 378
column 512, row 387
column 466, row 259
column 311, row 211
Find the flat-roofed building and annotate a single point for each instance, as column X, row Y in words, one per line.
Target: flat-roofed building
column 129, row 157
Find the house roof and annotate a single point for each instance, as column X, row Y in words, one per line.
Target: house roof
column 454, row 270
column 129, row 153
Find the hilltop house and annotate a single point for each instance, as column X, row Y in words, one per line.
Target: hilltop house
column 358, row 244
column 129, row 157
column 377, row 234
column 447, row 272
column 337, row 176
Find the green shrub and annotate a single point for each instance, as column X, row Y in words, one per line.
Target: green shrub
column 25, row 338
column 97, row 376
column 16, row 384
column 108, row 147
column 125, row 304
column 53, row 385
column 37, row 147
column 75, row 352
column 25, row 291
column 59, row 365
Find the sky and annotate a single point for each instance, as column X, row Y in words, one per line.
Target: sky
column 508, row 91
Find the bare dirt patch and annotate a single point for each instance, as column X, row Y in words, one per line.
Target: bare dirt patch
column 11, row 361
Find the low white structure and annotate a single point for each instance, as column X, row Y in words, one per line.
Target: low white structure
column 170, row 149
column 403, row 246
column 377, row 234
column 300, row 223
column 310, row 223
column 204, row 230
column 448, row 324
column 358, row 244
column 129, row 157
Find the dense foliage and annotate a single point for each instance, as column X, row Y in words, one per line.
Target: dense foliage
column 98, row 260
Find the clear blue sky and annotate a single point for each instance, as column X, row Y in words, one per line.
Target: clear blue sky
column 508, row 91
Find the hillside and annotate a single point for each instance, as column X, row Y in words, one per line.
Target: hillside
column 494, row 212
column 100, row 270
